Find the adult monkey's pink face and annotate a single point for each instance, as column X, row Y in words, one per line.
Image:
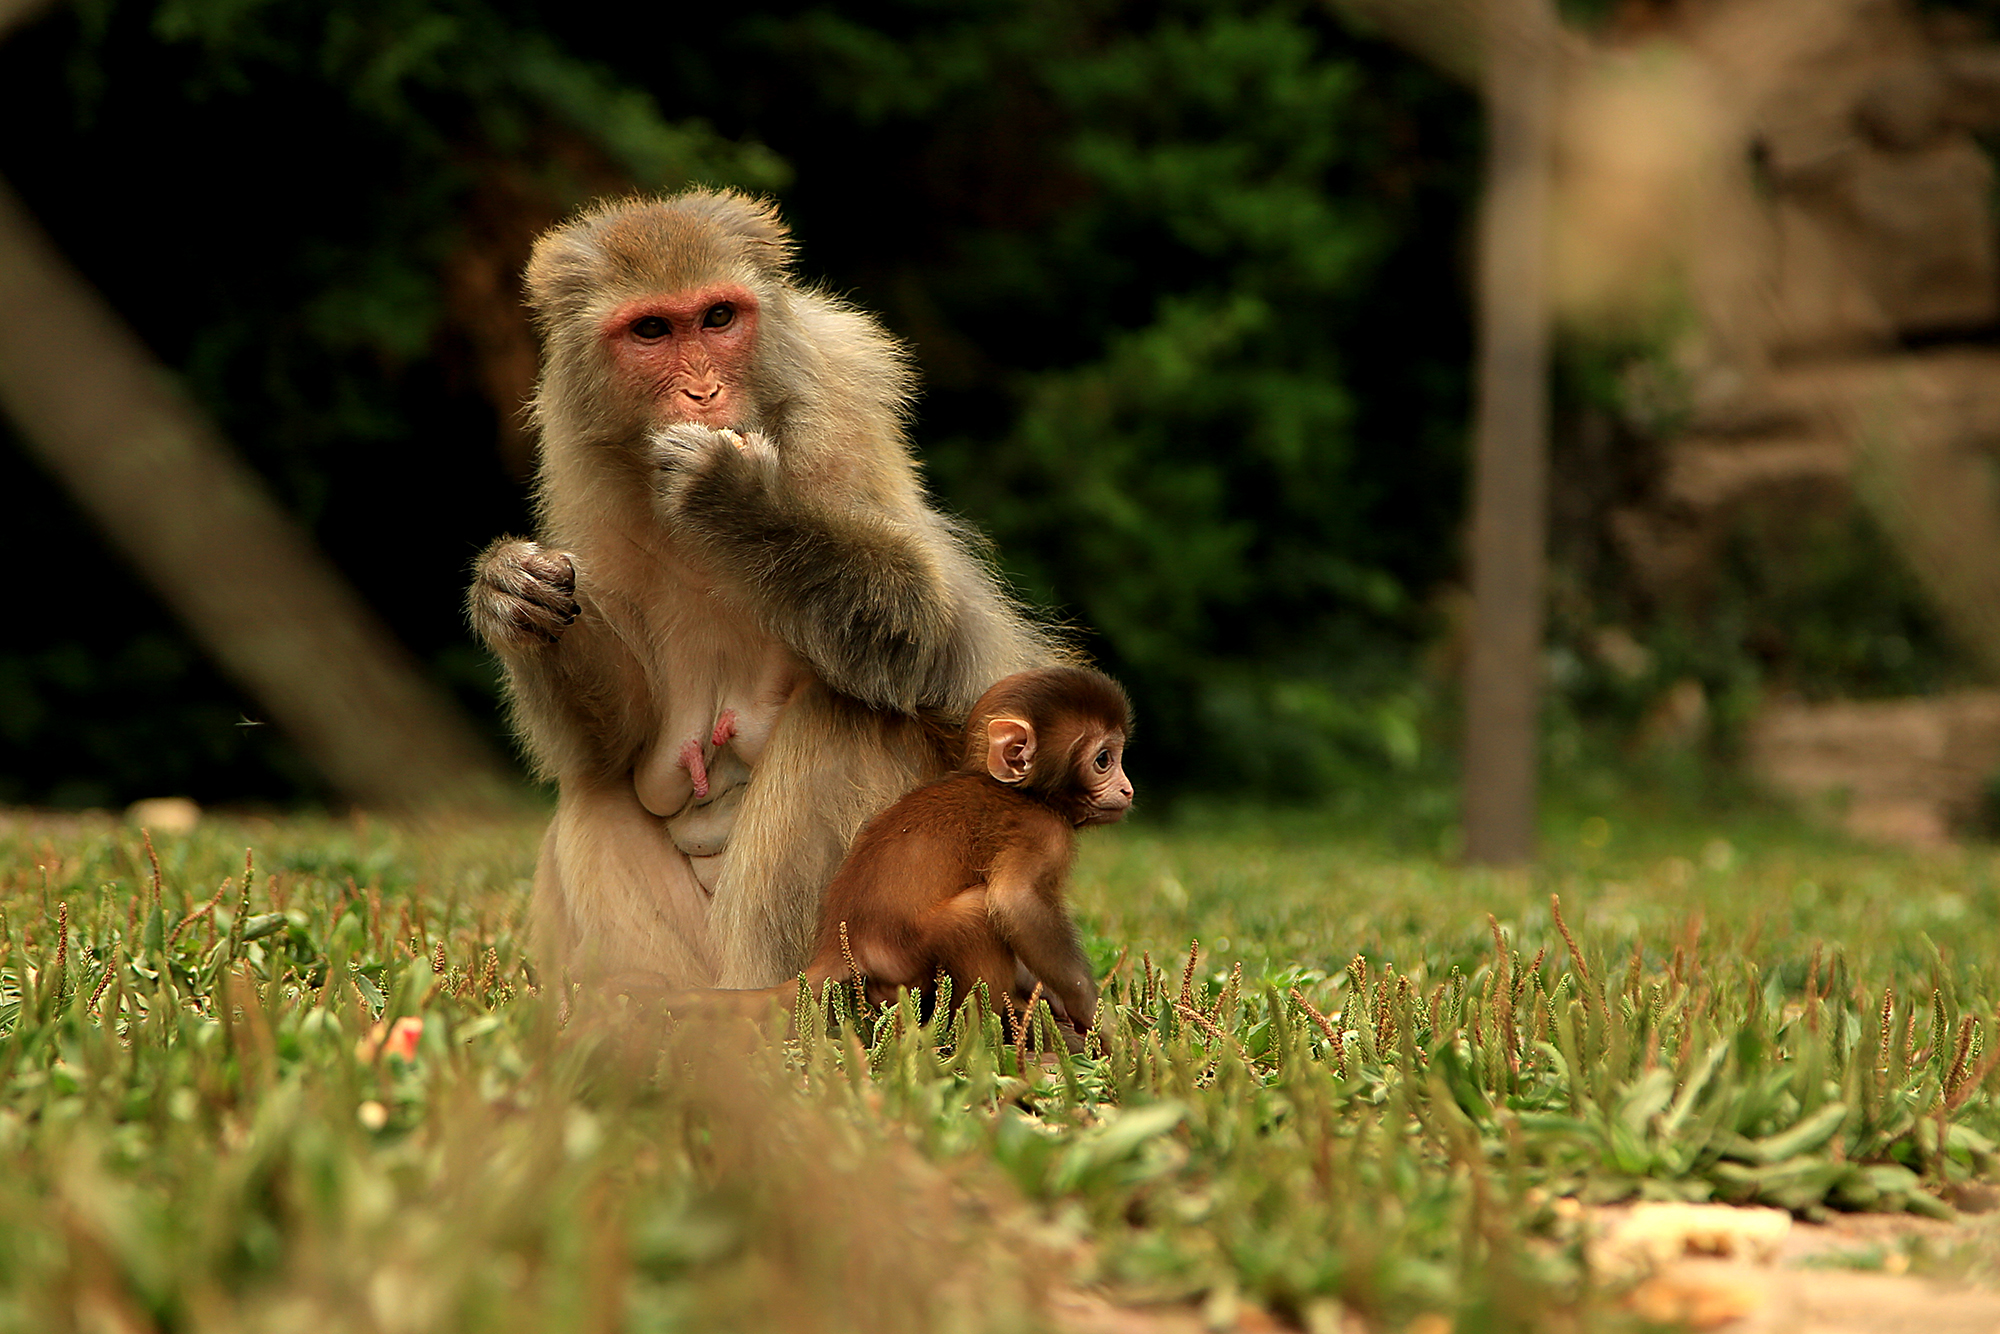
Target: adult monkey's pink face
column 687, row 353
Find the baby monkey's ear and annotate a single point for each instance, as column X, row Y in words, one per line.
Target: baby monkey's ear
column 1010, row 749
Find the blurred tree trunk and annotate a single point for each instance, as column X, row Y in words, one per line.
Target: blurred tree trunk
column 1510, row 460
column 107, row 420
column 1510, row 50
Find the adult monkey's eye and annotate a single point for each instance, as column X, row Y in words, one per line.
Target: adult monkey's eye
column 718, row 316
column 652, row 326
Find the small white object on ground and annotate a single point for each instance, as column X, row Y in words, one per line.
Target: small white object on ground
column 1651, row 1235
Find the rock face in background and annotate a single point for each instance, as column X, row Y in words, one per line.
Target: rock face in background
column 1913, row 435
column 1879, row 196
column 1842, row 256
column 1906, row 771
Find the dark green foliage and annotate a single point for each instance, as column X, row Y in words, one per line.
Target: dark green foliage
column 1227, row 492
column 1185, row 279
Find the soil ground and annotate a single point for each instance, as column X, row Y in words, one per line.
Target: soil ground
column 1853, row 1274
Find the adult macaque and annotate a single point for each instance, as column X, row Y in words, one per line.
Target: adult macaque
column 741, row 629
column 965, row 875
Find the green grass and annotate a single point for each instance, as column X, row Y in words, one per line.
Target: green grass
column 1363, row 1096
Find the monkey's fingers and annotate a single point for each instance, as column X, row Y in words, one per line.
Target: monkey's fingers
column 518, row 618
column 687, row 445
column 553, row 570
column 524, row 592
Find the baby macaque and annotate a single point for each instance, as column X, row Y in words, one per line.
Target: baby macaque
column 965, row 875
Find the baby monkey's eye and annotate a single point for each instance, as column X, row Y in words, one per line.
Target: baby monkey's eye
column 652, row 326
column 1103, row 760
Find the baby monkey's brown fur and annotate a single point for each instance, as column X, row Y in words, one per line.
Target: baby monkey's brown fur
column 965, row 875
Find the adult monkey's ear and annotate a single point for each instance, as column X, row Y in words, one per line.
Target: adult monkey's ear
column 1010, row 749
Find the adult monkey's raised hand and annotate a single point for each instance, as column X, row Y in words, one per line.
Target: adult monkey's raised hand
column 741, row 630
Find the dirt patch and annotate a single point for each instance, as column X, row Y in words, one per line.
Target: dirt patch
column 1859, row 1274
column 1704, row 1267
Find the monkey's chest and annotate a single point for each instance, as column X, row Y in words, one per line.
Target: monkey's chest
column 718, row 688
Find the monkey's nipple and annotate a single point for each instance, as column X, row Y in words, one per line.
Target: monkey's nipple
column 696, row 765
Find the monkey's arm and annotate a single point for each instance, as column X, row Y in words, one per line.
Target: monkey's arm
column 1025, row 905
column 574, row 686
column 870, row 598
